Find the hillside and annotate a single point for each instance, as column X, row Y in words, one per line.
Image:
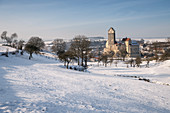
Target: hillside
column 44, row 85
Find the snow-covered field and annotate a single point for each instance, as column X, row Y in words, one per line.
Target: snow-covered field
column 42, row 85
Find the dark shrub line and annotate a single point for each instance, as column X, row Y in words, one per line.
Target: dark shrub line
column 143, row 79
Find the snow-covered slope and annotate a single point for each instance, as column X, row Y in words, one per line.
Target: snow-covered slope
column 43, row 85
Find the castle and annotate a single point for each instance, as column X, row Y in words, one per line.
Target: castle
column 131, row 47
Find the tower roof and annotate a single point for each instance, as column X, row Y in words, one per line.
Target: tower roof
column 111, row 30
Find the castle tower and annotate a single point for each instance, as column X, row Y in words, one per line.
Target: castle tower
column 111, row 36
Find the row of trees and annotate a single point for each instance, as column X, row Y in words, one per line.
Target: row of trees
column 12, row 40
column 8, row 39
column 34, row 45
column 106, row 59
column 79, row 50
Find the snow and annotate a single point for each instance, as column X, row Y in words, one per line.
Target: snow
column 151, row 39
column 159, row 71
column 42, row 85
column 4, row 49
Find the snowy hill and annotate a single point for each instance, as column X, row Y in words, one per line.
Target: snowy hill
column 42, row 85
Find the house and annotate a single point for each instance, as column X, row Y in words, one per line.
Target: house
column 132, row 47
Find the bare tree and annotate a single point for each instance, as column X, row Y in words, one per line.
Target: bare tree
column 15, row 44
column 80, row 46
column 156, row 57
column 118, row 54
column 14, row 35
column 85, row 50
column 138, row 61
column 66, row 57
column 105, row 58
column 4, row 35
column 34, row 45
column 59, row 46
column 110, row 57
column 166, row 55
column 75, row 47
column 168, row 39
column 148, row 60
column 8, row 39
column 116, row 62
column 131, row 61
column 20, row 44
column 123, row 52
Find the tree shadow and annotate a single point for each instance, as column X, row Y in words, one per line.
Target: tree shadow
column 8, row 95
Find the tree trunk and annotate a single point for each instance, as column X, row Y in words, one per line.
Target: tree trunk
column 78, row 61
column 85, row 62
column 20, row 48
column 30, row 56
column 105, row 63
column 22, row 52
column 123, row 58
column 98, row 63
column 68, row 64
column 82, row 57
column 64, row 63
column 85, row 59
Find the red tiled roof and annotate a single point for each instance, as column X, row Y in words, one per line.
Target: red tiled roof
column 127, row 39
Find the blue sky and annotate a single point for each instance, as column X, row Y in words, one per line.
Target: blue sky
column 50, row 19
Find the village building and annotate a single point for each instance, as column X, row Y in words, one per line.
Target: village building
column 131, row 47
